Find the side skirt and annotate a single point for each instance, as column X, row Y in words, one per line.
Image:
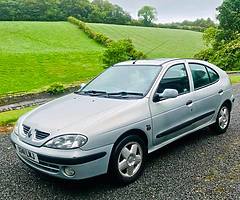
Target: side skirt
column 154, row 148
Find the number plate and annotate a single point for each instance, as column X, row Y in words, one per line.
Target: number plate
column 27, row 154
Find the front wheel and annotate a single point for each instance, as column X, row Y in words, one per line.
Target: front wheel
column 128, row 159
column 223, row 120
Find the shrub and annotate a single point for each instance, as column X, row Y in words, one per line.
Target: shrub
column 224, row 54
column 119, row 51
column 56, row 89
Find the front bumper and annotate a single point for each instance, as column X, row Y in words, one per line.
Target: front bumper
column 86, row 164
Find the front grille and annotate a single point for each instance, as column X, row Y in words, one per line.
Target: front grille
column 26, row 129
column 41, row 135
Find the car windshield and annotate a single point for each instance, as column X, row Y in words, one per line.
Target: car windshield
column 124, row 81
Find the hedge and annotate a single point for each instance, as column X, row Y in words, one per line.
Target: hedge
column 98, row 37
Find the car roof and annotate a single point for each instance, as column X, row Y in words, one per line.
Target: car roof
column 156, row 62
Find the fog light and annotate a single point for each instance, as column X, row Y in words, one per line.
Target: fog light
column 69, row 171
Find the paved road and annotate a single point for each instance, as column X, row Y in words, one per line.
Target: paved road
column 199, row 166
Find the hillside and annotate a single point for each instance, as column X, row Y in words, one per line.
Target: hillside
column 34, row 55
column 165, row 42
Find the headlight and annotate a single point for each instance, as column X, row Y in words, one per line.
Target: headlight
column 70, row 141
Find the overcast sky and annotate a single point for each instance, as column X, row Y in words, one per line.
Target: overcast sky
column 174, row 10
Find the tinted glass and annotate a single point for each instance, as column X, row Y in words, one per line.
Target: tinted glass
column 175, row 78
column 200, row 75
column 136, row 79
column 214, row 77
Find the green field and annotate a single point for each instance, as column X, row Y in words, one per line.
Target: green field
column 165, row 42
column 10, row 117
column 34, row 55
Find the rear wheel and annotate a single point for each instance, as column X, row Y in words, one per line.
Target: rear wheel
column 128, row 159
column 223, row 120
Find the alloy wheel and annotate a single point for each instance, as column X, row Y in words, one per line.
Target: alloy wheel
column 130, row 159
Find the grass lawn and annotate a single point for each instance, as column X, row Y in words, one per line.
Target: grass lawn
column 165, row 42
column 10, row 117
column 235, row 79
column 33, row 55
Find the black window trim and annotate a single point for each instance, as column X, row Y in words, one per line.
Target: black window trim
column 186, row 74
column 206, row 66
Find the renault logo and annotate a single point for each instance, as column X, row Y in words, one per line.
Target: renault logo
column 30, row 133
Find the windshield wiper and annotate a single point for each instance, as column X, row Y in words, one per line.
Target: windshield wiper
column 93, row 92
column 125, row 94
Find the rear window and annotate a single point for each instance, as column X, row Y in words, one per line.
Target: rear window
column 202, row 75
column 214, row 77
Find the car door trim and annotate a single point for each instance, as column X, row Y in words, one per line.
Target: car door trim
column 185, row 124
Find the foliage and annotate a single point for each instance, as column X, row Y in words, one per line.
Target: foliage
column 229, row 18
column 55, row 89
column 105, row 12
column 155, row 42
column 147, row 14
column 197, row 25
column 58, row 10
column 119, row 51
column 35, row 55
column 223, row 43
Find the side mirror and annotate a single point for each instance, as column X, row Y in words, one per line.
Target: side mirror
column 167, row 94
column 82, row 85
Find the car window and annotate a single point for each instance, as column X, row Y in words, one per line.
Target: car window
column 200, row 75
column 214, row 77
column 133, row 78
column 175, row 78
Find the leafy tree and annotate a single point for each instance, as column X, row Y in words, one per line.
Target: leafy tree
column 223, row 42
column 229, row 17
column 147, row 14
column 101, row 11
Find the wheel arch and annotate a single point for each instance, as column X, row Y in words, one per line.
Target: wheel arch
column 228, row 103
column 137, row 132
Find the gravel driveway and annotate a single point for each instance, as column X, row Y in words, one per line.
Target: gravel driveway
column 199, row 166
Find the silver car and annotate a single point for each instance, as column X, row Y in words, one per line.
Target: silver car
column 130, row 110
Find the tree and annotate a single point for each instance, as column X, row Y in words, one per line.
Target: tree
column 147, row 14
column 223, row 42
column 229, row 16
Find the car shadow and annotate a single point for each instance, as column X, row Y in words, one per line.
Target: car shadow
column 105, row 183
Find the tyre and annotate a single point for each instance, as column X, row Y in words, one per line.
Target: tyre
column 128, row 159
column 223, row 120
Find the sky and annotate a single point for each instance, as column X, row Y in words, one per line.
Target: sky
column 173, row 10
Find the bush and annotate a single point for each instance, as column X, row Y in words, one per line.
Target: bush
column 56, row 89
column 119, row 51
column 223, row 53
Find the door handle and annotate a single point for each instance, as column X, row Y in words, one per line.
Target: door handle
column 220, row 91
column 189, row 102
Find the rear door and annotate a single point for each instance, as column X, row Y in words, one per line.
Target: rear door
column 170, row 117
column 207, row 93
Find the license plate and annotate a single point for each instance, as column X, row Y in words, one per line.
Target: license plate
column 27, row 154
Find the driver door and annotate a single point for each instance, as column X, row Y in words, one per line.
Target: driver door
column 170, row 117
